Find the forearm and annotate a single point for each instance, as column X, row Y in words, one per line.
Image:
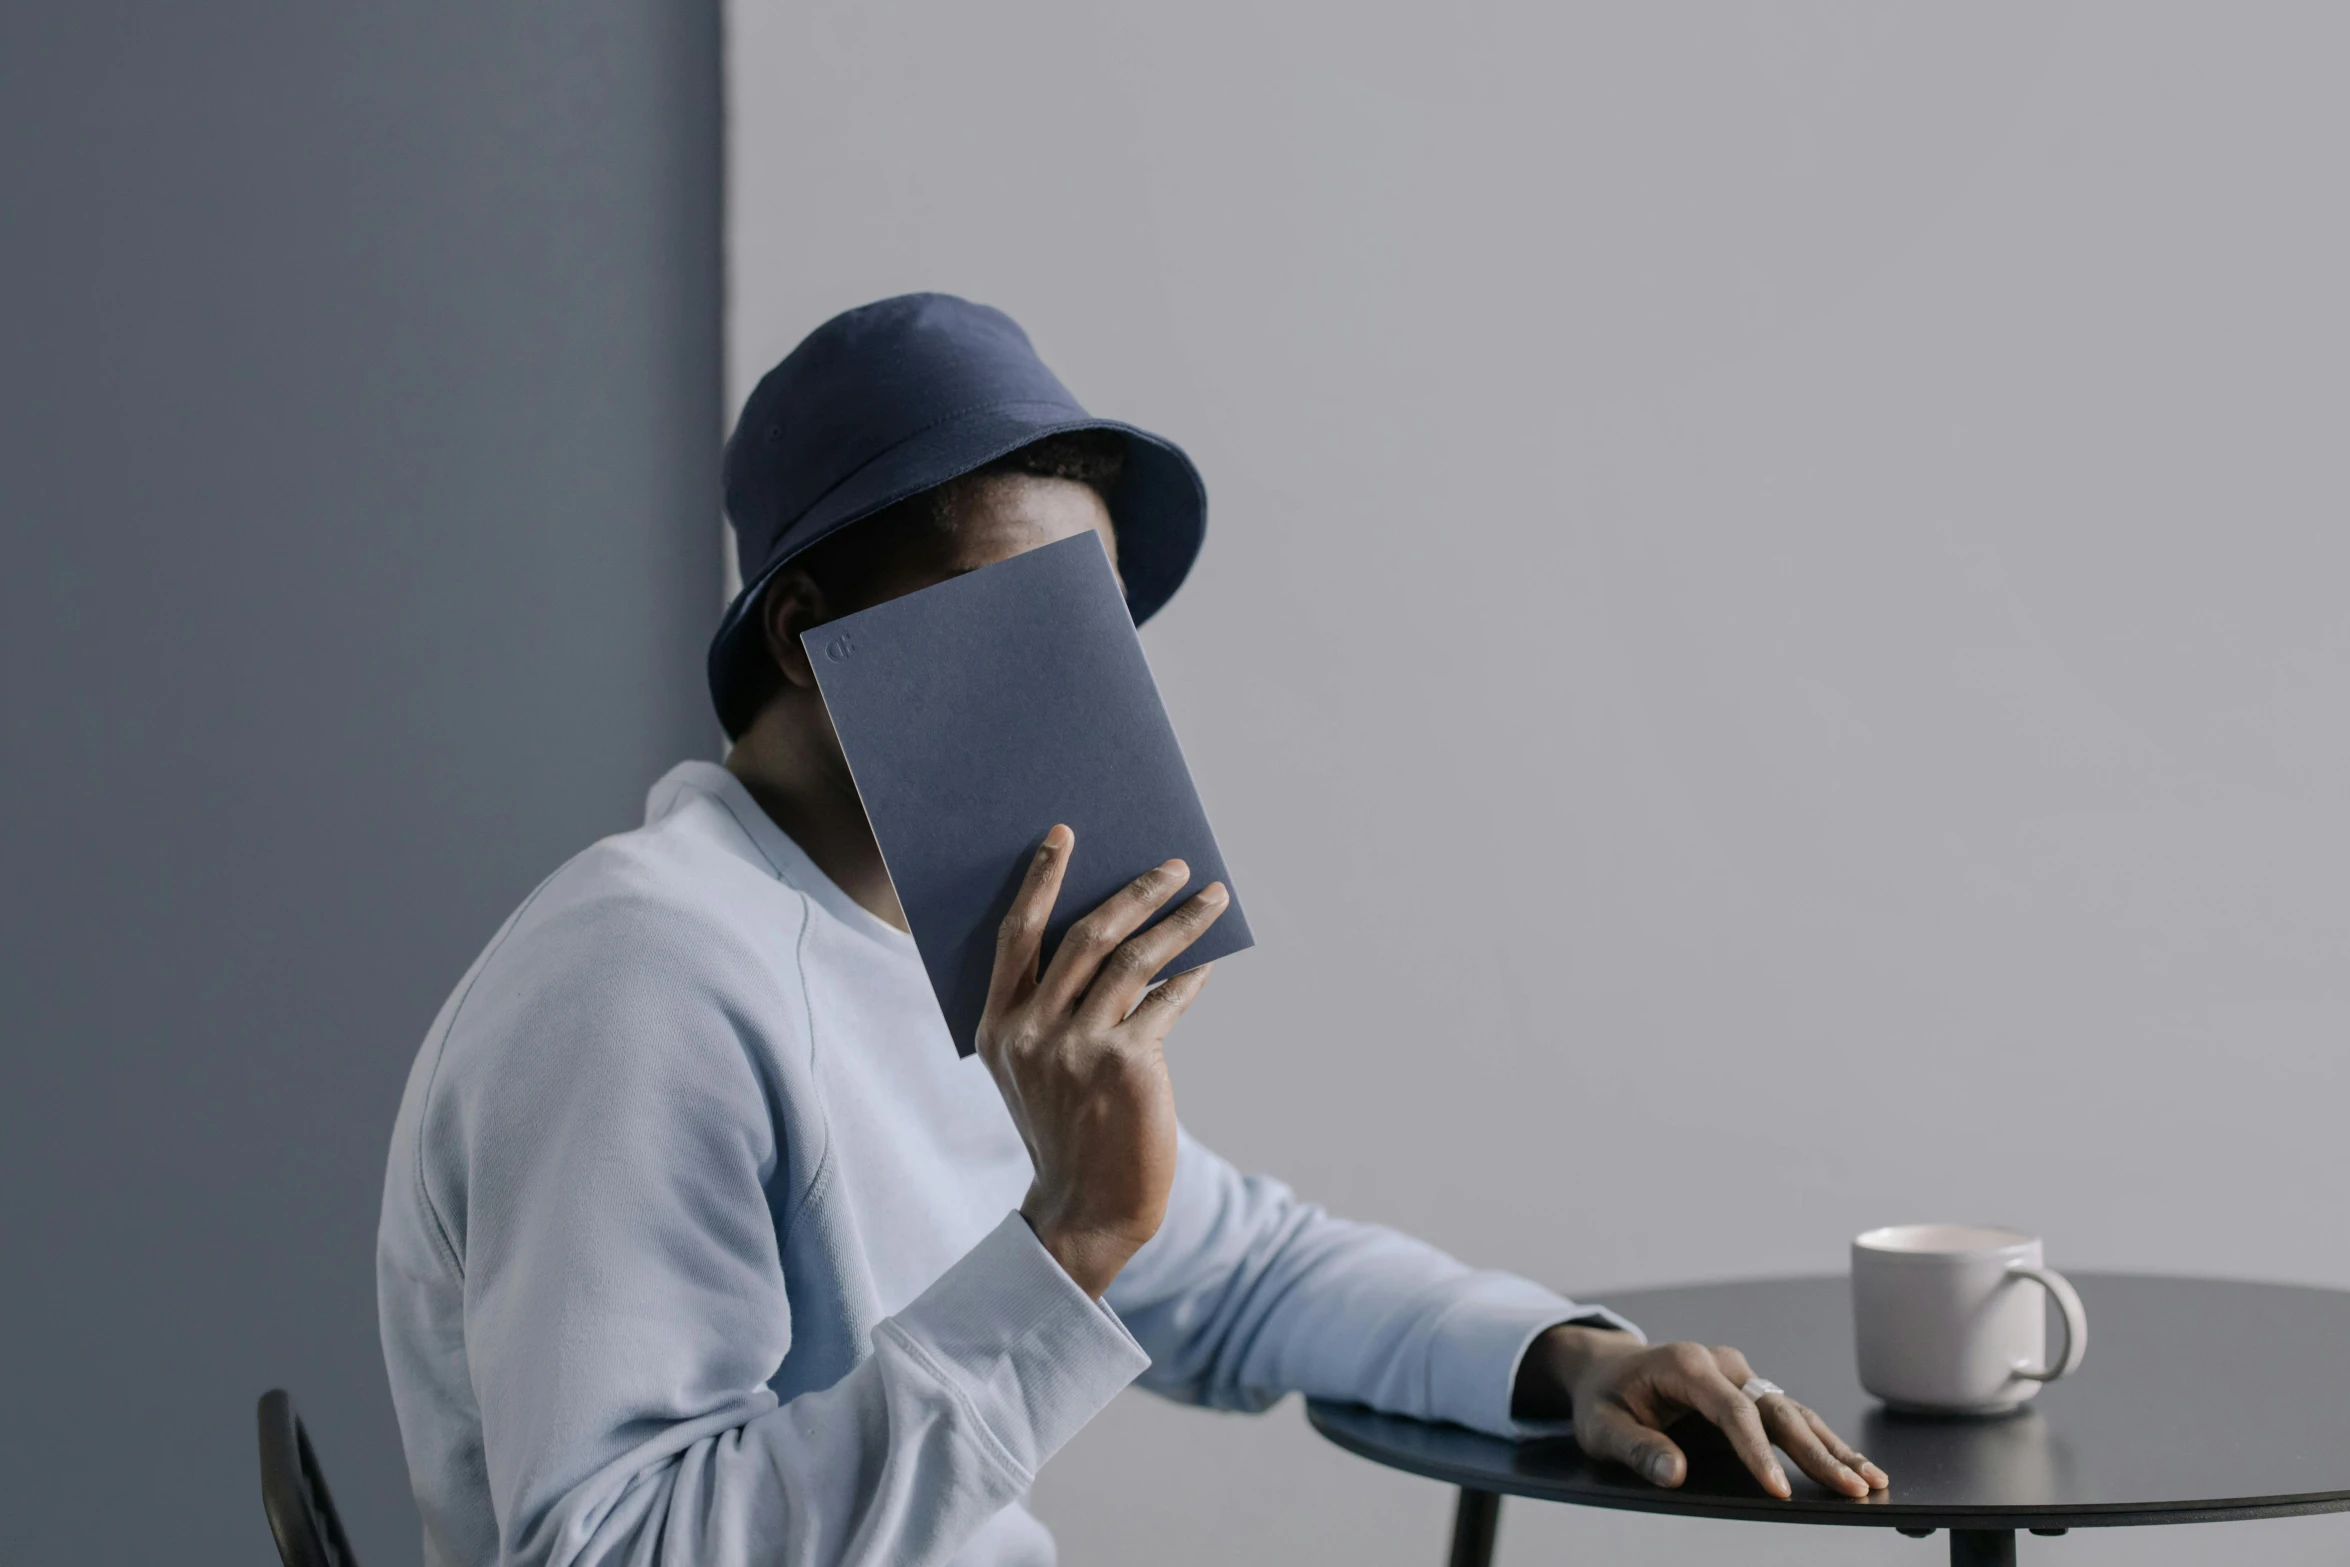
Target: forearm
column 1248, row 1294
column 879, row 1467
column 966, row 1393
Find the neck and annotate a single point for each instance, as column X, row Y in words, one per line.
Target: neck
column 791, row 762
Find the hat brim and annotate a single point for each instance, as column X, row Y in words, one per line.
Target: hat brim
column 1158, row 508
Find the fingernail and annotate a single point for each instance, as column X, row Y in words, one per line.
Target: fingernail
column 1213, row 892
column 1175, row 869
column 1779, row 1480
column 1875, row 1476
column 1660, row 1468
column 1057, row 839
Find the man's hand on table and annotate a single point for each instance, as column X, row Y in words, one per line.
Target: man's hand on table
column 1623, row 1393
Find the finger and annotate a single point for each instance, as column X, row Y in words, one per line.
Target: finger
column 1784, row 1419
column 1846, row 1454
column 1128, row 972
column 1698, row 1382
column 1609, row 1432
column 1022, row 932
column 1096, row 936
column 1156, row 1013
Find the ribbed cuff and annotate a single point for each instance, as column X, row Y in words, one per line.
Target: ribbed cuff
column 1484, row 1338
column 1011, row 1330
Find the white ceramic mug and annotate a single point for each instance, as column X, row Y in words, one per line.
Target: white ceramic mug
column 1948, row 1320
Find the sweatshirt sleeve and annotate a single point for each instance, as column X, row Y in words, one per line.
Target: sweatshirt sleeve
column 1247, row 1293
column 614, row 1186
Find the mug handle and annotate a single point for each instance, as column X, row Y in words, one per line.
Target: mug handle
column 2068, row 1306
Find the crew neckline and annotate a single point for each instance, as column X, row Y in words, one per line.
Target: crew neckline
column 783, row 854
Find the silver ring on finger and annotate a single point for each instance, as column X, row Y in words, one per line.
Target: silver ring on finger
column 1760, row 1388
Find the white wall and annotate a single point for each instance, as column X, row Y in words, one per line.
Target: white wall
column 1771, row 653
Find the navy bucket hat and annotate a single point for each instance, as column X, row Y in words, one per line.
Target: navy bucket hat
column 896, row 397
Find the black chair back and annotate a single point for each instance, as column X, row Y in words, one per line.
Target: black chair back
column 293, row 1491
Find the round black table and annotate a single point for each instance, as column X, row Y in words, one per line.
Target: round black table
column 2201, row 1400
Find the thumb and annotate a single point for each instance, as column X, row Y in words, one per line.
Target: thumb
column 1612, row 1433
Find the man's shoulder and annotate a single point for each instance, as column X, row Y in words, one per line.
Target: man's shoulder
column 679, row 866
column 646, row 930
column 664, row 902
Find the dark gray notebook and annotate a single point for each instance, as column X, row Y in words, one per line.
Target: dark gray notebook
column 977, row 713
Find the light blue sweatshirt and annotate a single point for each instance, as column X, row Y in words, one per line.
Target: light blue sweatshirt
column 700, row 1244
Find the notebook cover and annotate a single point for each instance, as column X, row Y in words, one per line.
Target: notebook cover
column 978, row 712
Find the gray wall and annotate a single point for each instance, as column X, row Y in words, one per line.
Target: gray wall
column 358, row 412
column 1771, row 654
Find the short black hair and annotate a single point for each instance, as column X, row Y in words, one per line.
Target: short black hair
column 847, row 564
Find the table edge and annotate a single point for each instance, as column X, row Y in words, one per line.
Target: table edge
column 1829, row 1511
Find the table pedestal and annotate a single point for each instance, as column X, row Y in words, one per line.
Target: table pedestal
column 1474, row 1524
column 1982, row 1548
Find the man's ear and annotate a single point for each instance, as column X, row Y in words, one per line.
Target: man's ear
column 792, row 604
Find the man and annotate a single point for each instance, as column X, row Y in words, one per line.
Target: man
column 700, row 1244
